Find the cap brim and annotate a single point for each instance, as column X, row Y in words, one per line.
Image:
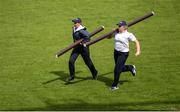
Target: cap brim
column 73, row 21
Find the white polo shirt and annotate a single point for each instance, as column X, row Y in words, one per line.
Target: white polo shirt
column 122, row 41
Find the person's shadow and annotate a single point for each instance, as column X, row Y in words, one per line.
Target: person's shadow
column 62, row 75
column 108, row 81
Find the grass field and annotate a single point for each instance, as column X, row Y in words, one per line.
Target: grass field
column 32, row 31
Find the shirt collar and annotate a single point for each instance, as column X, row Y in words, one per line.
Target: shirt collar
column 124, row 31
column 79, row 28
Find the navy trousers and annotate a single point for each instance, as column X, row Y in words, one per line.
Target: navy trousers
column 84, row 51
column 120, row 60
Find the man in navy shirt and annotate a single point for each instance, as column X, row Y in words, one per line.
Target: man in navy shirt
column 80, row 32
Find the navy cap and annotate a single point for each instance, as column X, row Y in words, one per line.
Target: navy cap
column 77, row 20
column 122, row 23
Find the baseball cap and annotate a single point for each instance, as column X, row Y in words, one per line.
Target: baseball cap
column 122, row 23
column 77, row 20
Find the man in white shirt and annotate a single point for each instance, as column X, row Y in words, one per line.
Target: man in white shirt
column 121, row 51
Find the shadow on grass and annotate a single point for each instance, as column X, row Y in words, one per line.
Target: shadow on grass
column 80, row 79
column 82, row 105
column 109, row 81
column 63, row 76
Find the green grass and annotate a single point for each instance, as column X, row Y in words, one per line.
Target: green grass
column 31, row 31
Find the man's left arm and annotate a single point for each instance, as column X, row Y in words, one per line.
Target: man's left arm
column 138, row 48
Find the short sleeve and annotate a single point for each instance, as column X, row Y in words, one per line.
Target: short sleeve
column 132, row 37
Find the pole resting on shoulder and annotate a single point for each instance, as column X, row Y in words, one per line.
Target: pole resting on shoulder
column 113, row 31
column 61, row 52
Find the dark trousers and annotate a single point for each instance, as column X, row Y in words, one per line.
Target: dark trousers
column 84, row 51
column 120, row 60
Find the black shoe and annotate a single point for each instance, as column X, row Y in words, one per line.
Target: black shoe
column 133, row 71
column 70, row 79
column 95, row 75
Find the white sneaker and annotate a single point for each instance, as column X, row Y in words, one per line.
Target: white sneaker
column 133, row 71
column 114, row 88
